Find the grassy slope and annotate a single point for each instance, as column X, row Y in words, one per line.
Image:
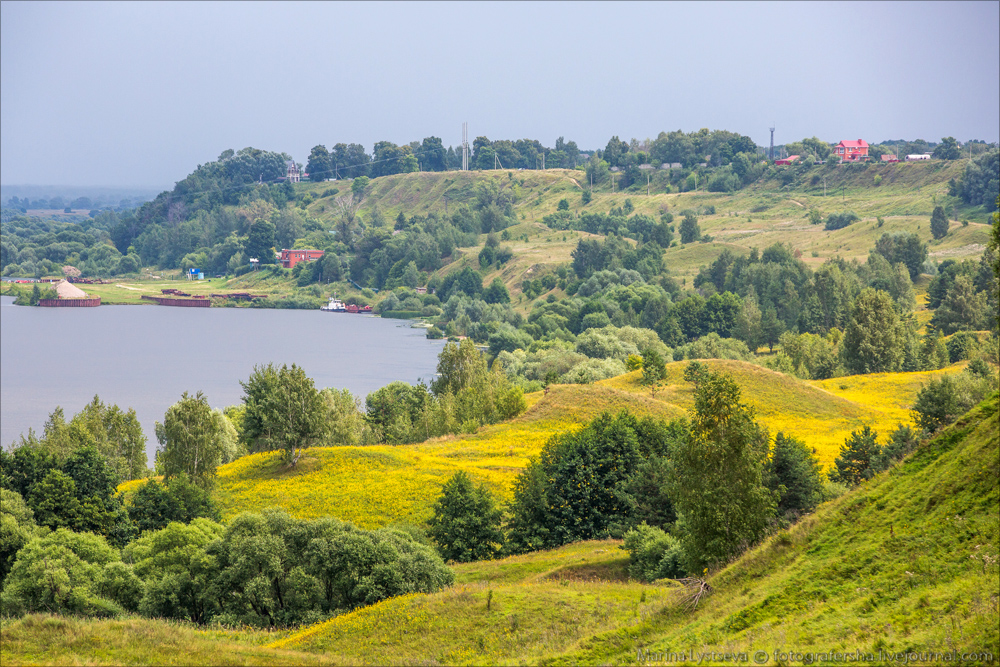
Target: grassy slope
column 765, row 213
column 896, row 565
column 48, row 640
column 376, row 486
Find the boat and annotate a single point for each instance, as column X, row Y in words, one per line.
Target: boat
column 335, row 306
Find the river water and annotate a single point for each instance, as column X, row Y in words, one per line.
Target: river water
column 144, row 357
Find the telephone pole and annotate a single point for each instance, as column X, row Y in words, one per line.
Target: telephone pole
column 465, row 147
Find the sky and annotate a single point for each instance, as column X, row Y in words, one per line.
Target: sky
column 139, row 94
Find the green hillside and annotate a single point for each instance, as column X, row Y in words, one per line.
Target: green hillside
column 379, row 485
column 905, row 563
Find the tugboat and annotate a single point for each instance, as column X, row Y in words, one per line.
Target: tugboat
column 335, row 306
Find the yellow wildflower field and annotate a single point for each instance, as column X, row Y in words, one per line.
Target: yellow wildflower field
column 382, row 485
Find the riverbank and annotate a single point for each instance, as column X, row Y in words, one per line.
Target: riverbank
column 279, row 290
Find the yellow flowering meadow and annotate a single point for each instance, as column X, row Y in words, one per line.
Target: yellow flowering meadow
column 382, row 485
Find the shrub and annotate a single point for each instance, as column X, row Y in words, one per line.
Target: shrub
column 62, row 573
column 840, row 220
column 466, row 521
column 575, row 489
column 653, row 554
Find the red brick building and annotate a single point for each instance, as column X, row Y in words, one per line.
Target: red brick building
column 851, row 151
column 289, row 258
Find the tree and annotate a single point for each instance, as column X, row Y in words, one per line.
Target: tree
column 358, row 187
column 155, row 504
column 178, row 573
column 17, row 527
column 576, row 488
column 718, row 481
column 193, row 439
column 283, row 411
column 654, row 369
column 857, row 456
column 939, row 223
column 319, row 165
column 873, row 339
column 466, row 521
column 903, row 247
column 690, row 232
column 948, row 149
column 937, row 404
column 260, row 242
column 748, row 322
column 795, row 474
column 962, row 308
column 64, row 572
column 345, row 422
column 496, row 292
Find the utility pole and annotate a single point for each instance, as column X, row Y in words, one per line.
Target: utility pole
column 465, row 147
column 824, row 186
column 647, row 184
column 543, row 161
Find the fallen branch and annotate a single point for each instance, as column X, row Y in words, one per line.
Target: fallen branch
column 695, row 588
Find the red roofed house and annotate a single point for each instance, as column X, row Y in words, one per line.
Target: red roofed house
column 889, row 157
column 851, row 151
column 289, row 258
column 788, row 160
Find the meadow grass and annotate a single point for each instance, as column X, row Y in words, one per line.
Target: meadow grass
column 41, row 639
column 512, row 611
column 905, row 562
column 381, row 485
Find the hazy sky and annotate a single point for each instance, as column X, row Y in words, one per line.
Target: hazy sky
column 139, row 94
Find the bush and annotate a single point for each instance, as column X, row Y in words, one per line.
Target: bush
column 840, row 220
column 576, row 488
column 63, row 573
column 466, row 521
column 653, row 554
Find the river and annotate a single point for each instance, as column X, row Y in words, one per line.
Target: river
column 144, row 357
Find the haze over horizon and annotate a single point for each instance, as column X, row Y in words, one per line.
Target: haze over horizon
column 138, row 94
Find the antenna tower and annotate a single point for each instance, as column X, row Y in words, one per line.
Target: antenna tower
column 772, row 145
column 465, row 147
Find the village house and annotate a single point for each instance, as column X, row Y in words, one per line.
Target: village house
column 289, row 258
column 791, row 159
column 293, row 171
column 851, row 151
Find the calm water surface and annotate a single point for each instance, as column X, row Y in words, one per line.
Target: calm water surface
column 144, row 357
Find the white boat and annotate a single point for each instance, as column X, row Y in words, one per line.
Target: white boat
column 335, row 306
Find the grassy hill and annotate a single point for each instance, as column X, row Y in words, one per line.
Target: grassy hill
column 769, row 211
column 905, row 563
column 766, row 212
column 381, row 485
